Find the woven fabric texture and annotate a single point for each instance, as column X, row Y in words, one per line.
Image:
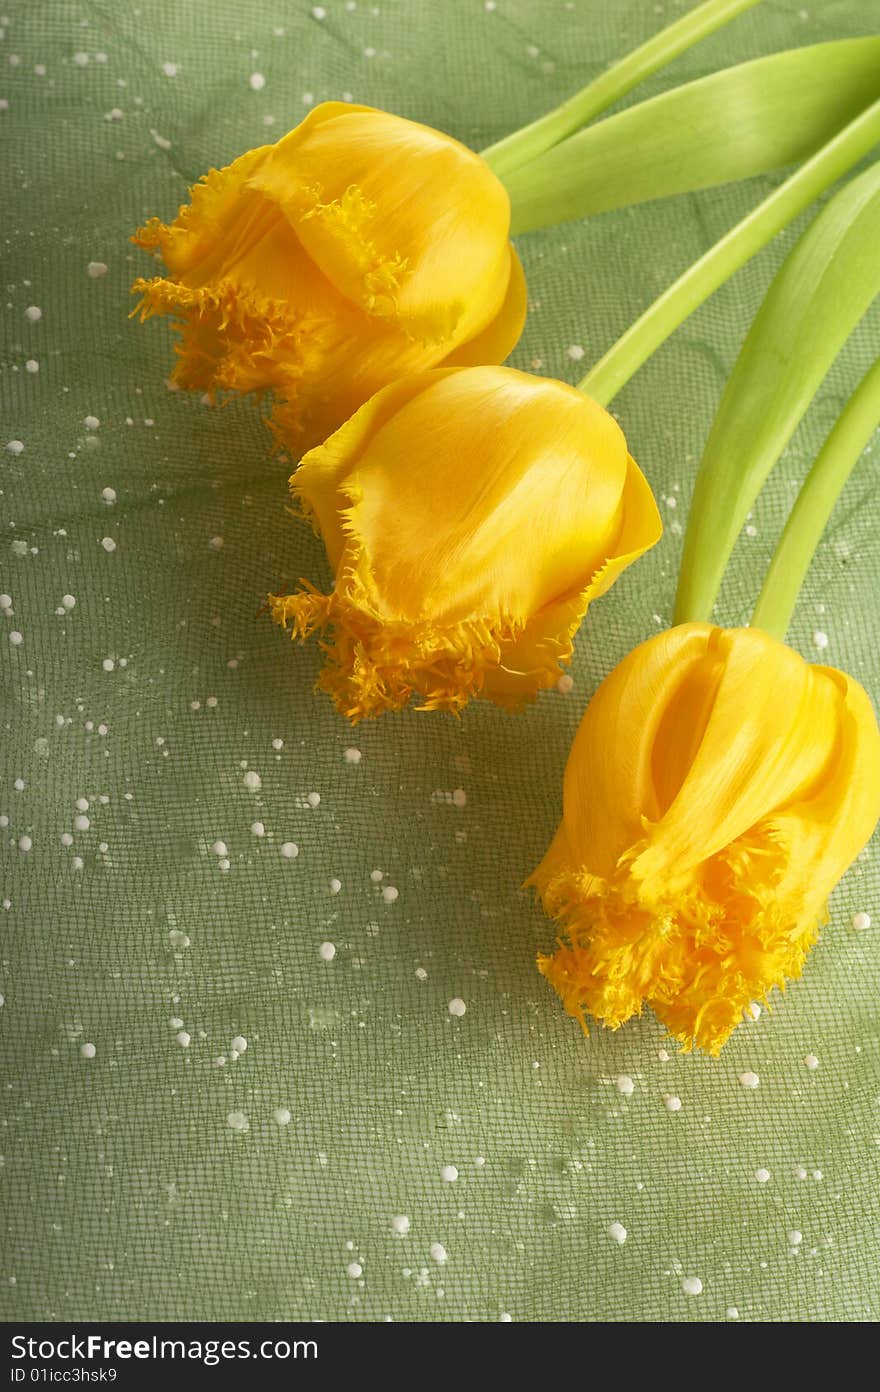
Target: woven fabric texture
column 149, row 910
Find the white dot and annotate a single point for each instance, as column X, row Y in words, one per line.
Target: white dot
column 281, row 1115
column 795, row 1237
column 749, row 1079
column 820, row 639
column 459, row 797
column 617, row 1231
column 257, row 83
column 762, row 1175
column 169, row 69
column 91, row 422
column 400, row 1224
column 575, row 352
column 69, row 601
column 252, row 780
column 219, row 848
column 352, row 756
column 258, row 829
column 449, row 1173
column 327, row 951
column 377, row 876
column 752, row 1011
column 108, row 664
column 87, row 1051
column 389, row 894
column 663, row 1055
column 290, row 850
column 32, row 365
column 335, row 885
column 811, row 1061
column 456, row 1006
column 237, row 1120
column 861, row 921
column 354, row 1269
column 625, row 1085
column 314, row 799
column 184, row 1039
column 15, row 447
column 96, row 269
column 5, row 601
column 25, row 843
column 565, row 683
column 81, row 823
column 108, row 544
column 239, row 1044
column 319, row 12
column 505, row 1318
column 421, row 974
column 216, row 544
column 34, row 313
column 732, row 1312
column 692, row 1285
column 82, row 804
column 81, row 59
column 438, row 1251
column 109, row 495
column 673, row 1104
column 16, row 638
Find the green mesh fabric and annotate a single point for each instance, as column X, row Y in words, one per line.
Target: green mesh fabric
column 150, row 1181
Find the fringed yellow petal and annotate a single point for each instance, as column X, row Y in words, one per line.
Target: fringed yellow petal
column 717, row 789
column 374, row 666
column 470, row 516
column 406, row 222
column 358, row 249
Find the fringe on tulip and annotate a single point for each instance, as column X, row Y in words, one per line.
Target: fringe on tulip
column 376, row 665
column 698, row 958
column 226, row 334
column 347, row 220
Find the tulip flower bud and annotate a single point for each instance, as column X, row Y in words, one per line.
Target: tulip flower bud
column 357, row 249
column 470, row 516
column 717, row 789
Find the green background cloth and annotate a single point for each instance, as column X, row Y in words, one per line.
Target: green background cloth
column 127, row 1192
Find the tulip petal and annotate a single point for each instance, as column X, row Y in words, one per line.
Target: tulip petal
column 493, row 343
column 421, row 256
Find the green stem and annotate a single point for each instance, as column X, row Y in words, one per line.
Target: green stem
column 815, row 504
column 703, row 278
column 541, row 135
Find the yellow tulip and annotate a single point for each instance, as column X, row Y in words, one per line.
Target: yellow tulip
column 470, row 515
column 357, row 249
column 717, row 789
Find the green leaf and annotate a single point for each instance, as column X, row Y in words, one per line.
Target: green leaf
column 606, row 377
column 612, row 84
column 815, row 503
column 742, row 121
column 821, row 292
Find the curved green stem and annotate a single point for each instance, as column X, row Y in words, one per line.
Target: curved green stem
column 815, row 504
column 533, row 140
column 741, row 243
